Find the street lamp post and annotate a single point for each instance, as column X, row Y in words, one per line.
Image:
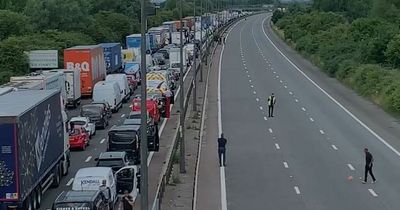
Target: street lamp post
column 201, row 41
column 143, row 110
column 181, row 109
column 194, row 103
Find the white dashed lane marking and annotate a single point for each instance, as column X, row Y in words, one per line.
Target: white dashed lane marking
column 334, row 147
column 270, row 130
column 285, row 86
column 304, row 109
column 311, row 119
column 88, row 159
column 70, row 182
column 257, row 99
column 254, row 92
column 322, row 132
column 123, row 115
column 285, row 164
column 265, row 118
column 290, row 93
column 373, row 192
column 351, row 167
column 277, row 146
column 102, row 141
column 297, row 190
column 296, row 100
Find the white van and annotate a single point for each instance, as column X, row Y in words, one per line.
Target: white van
column 122, row 81
column 110, row 92
column 91, row 178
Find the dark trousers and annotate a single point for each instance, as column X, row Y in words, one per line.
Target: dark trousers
column 270, row 111
column 222, row 152
column 368, row 169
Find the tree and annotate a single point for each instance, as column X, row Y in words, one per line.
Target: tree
column 12, row 23
column 393, row 51
column 71, row 15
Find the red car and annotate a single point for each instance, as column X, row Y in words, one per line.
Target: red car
column 79, row 138
column 152, row 108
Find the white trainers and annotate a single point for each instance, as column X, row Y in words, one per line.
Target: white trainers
column 364, row 182
column 373, row 182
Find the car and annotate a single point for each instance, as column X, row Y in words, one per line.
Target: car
column 96, row 113
column 115, row 160
column 84, row 199
column 78, row 138
column 85, row 123
column 107, row 107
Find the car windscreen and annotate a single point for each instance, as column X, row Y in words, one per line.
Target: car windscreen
column 175, row 65
column 122, row 136
column 110, row 162
column 90, row 111
column 73, row 206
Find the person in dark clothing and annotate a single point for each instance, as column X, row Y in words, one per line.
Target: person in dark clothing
column 222, row 149
column 369, row 159
column 127, row 201
column 271, row 103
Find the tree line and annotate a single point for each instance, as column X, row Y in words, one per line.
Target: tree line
column 355, row 41
column 58, row 24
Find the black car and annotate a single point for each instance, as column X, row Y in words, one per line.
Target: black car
column 125, row 138
column 153, row 138
column 107, row 107
column 85, row 200
column 115, row 160
column 96, row 113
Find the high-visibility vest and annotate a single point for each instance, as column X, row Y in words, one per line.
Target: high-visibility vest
column 271, row 100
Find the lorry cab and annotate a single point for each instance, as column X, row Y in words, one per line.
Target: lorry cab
column 83, row 200
column 152, row 108
column 110, row 92
column 152, row 133
column 125, row 138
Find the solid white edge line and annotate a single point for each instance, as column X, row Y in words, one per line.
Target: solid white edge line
column 329, row 96
column 277, row 146
column 296, row 188
column 285, row 164
column 70, row 182
column 334, row 147
column 351, row 167
column 373, row 192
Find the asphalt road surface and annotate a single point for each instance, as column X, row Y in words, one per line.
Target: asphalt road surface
column 302, row 157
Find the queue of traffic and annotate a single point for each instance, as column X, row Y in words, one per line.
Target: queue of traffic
column 37, row 135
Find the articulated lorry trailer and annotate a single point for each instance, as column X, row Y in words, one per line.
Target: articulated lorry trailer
column 33, row 155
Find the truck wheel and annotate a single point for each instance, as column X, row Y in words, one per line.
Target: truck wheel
column 66, row 169
column 28, row 203
column 56, row 177
column 39, row 196
column 34, row 200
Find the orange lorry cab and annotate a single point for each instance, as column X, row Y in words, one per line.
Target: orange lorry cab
column 89, row 60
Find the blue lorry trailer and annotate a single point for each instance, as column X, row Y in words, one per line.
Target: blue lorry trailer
column 32, row 147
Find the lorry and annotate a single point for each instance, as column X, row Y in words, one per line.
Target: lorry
column 133, row 41
column 112, row 56
column 128, row 55
column 175, row 59
column 89, row 60
column 160, row 34
column 44, row 80
column 73, row 87
column 35, row 147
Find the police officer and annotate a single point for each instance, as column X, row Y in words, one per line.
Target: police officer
column 222, row 149
column 271, row 103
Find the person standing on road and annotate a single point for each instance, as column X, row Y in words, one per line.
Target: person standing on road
column 369, row 159
column 271, row 103
column 222, row 150
column 127, row 201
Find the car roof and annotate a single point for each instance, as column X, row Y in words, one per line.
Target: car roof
column 79, row 118
column 107, row 155
column 77, row 196
column 125, row 127
column 132, row 121
column 92, row 171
